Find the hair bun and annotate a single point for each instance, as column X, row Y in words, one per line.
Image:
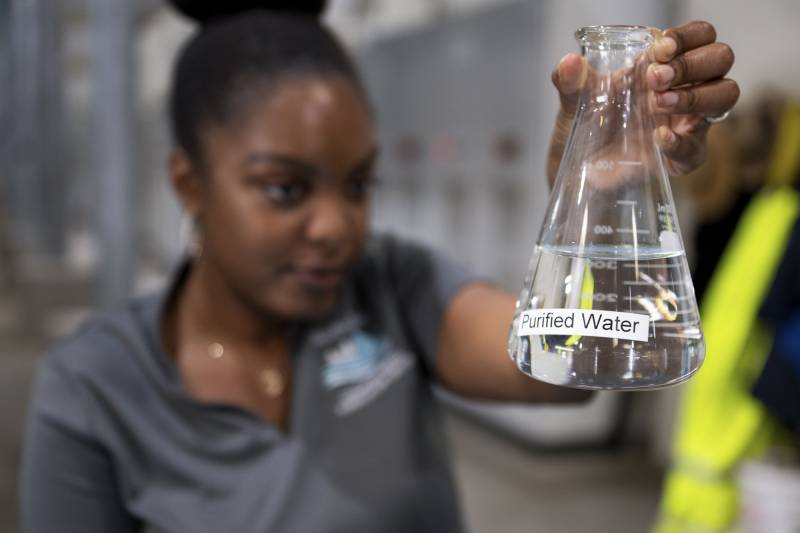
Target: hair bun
column 205, row 12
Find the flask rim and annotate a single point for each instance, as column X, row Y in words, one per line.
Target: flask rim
column 614, row 34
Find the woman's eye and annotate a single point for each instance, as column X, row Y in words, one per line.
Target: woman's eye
column 285, row 193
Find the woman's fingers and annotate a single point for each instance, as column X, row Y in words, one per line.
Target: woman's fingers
column 681, row 39
column 709, row 99
column 688, row 75
column 708, row 62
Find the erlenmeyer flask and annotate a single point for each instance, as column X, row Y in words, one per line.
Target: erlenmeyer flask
column 608, row 302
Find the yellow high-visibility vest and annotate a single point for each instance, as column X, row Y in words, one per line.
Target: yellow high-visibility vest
column 720, row 424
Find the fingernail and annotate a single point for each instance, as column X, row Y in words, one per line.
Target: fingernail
column 664, row 73
column 670, row 46
column 668, row 99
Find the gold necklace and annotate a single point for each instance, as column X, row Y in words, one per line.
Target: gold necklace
column 271, row 381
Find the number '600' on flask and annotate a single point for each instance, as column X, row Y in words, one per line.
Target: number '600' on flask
column 608, row 302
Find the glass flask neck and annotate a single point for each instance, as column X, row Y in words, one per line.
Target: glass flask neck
column 608, row 48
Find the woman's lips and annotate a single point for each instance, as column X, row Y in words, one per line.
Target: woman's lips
column 320, row 279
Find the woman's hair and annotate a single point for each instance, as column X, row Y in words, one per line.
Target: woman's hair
column 244, row 47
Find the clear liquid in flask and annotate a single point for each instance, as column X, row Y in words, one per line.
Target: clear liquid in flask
column 654, row 283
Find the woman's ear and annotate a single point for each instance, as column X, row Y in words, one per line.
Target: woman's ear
column 186, row 181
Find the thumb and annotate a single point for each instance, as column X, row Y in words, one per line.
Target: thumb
column 569, row 76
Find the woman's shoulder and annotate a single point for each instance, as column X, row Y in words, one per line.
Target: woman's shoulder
column 107, row 347
column 96, row 373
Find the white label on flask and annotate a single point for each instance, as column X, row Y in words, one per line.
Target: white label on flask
column 584, row 322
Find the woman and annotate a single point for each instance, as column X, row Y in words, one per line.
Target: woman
column 282, row 381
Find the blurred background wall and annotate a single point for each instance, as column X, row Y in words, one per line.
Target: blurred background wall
column 465, row 107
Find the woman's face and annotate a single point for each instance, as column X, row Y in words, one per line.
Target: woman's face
column 284, row 202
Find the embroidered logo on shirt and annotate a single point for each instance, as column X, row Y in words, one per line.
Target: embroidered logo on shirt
column 363, row 366
column 390, row 370
column 352, row 360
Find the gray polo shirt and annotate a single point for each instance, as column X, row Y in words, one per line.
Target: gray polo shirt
column 114, row 444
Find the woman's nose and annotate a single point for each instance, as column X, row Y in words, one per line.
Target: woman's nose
column 329, row 223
